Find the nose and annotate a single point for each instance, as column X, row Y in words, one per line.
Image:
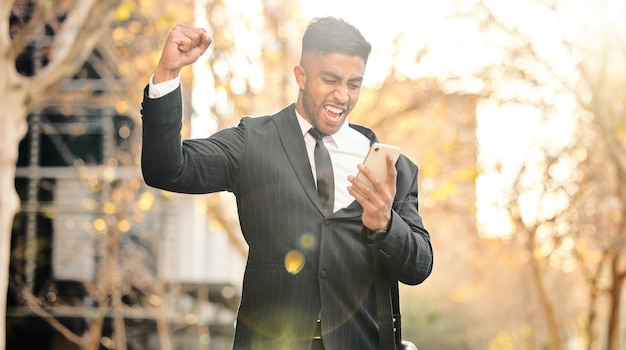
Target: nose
column 342, row 93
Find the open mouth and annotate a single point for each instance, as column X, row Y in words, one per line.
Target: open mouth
column 334, row 112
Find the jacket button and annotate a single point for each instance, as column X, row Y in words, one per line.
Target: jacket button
column 323, row 274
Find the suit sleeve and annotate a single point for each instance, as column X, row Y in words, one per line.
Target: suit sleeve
column 406, row 249
column 191, row 166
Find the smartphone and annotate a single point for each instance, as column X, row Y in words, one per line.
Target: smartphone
column 376, row 161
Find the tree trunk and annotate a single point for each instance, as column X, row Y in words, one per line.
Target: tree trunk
column 74, row 40
column 114, row 276
column 616, row 296
column 13, row 127
column 556, row 339
column 94, row 332
column 592, row 313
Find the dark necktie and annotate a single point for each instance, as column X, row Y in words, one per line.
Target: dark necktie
column 324, row 169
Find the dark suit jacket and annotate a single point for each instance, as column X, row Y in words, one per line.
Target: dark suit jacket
column 263, row 161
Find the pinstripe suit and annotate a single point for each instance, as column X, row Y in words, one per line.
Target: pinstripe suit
column 263, row 161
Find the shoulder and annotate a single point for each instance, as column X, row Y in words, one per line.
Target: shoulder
column 285, row 113
column 271, row 122
column 369, row 133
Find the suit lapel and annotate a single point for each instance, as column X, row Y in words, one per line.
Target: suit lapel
column 292, row 141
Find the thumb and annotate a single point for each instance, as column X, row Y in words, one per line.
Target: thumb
column 205, row 41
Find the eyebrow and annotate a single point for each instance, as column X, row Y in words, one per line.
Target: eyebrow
column 335, row 76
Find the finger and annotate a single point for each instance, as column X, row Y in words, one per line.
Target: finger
column 383, row 191
column 188, row 38
column 370, row 176
column 359, row 189
column 365, row 195
column 392, row 173
column 205, row 40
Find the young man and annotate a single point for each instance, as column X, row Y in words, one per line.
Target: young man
column 269, row 163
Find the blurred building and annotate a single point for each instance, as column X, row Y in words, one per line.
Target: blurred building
column 93, row 240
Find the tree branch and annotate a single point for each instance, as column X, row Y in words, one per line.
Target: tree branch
column 5, row 12
column 73, row 44
column 34, row 304
column 34, row 25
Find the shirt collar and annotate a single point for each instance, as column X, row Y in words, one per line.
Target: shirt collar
column 339, row 138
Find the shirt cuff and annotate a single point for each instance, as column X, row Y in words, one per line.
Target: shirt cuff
column 162, row 89
column 374, row 236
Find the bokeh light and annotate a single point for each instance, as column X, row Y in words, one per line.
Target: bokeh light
column 146, row 200
column 307, row 241
column 294, row 262
column 100, row 225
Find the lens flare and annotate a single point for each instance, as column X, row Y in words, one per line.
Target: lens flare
column 307, row 241
column 294, row 262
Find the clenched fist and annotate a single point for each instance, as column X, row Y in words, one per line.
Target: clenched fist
column 184, row 45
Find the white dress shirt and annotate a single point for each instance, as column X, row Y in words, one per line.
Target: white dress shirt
column 347, row 148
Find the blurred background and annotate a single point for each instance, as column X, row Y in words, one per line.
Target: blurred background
column 515, row 111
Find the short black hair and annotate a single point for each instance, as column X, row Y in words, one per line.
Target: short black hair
column 328, row 34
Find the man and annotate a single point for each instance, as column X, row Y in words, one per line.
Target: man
column 309, row 278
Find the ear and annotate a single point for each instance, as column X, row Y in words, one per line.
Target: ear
column 300, row 74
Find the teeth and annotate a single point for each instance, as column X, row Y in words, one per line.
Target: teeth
column 334, row 110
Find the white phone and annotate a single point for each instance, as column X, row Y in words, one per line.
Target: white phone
column 376, row 161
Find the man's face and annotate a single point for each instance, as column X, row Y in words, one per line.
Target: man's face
column 330, row 85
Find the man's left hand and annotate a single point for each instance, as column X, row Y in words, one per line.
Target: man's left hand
column 377, row 201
